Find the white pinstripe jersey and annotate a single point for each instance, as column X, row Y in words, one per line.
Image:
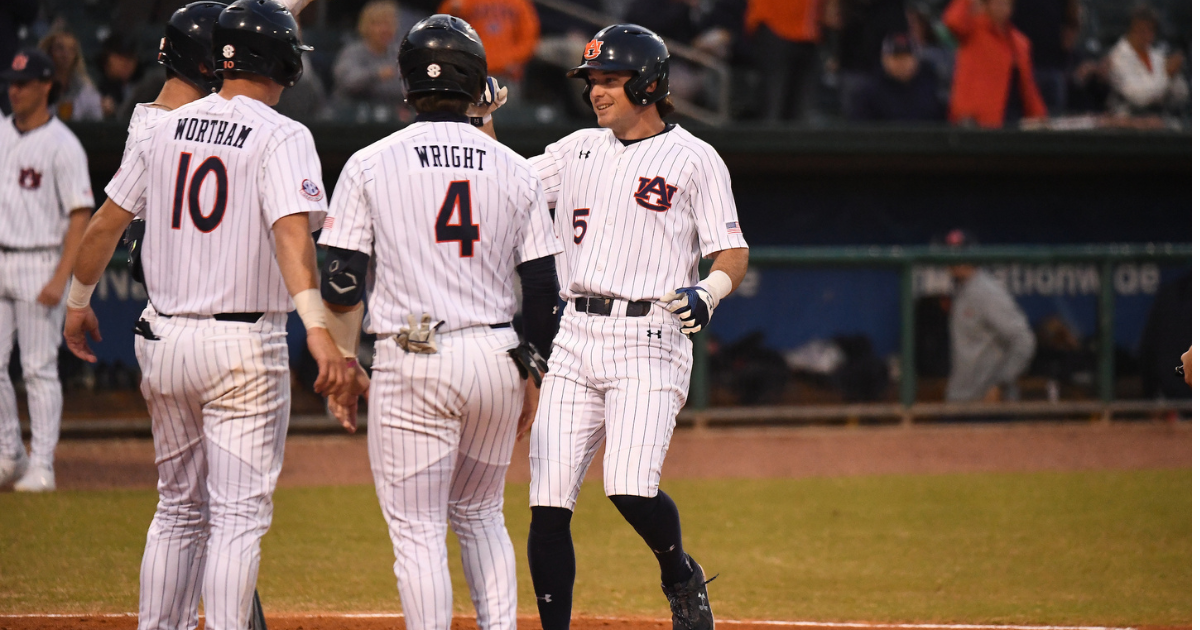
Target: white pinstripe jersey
column 447, row 214
column 636, row 219
column 213, row 177
column 141, row 123
column 43, row 177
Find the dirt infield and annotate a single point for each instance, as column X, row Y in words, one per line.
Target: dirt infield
column 729, row 453
column 396, row 622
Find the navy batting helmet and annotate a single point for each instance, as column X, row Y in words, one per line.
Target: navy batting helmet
column 259, row 37
column 628, row 47
column 443, row 54
column 186, row 49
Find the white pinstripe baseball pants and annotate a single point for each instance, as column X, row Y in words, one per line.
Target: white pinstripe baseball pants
column 219, row 397
column 38, row 329
column 440, row 436
column 616, row 379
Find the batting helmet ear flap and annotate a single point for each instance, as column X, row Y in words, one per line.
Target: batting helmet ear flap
column 587, row 91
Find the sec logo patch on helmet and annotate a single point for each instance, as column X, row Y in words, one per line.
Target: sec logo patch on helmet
column 227, row 51
column 593, row 49
column 433, row 70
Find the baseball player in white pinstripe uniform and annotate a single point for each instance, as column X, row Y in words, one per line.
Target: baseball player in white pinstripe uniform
column 45, row 202
column 640, row 202
column 231, row 191
column 435, row 223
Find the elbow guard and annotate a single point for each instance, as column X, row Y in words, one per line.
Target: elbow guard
column 344, row 276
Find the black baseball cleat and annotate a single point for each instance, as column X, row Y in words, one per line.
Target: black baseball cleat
column 690, row 609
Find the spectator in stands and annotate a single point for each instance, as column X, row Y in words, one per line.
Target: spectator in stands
column 904, row 89
column 862, row 26
column 1144, row 79
column 13, row 15
column 80, row 100
column 786, row 34
column 991, row 343
column 366, row 74
column 119, row 71
column 993, row 74
column 1052, row 27
column 509, row 30
column 304, row 101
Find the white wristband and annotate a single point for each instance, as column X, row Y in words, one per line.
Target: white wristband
column 718, row 284
column 310, row 308
column 80, row 295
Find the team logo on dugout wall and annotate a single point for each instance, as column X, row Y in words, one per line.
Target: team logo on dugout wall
column 593, row 49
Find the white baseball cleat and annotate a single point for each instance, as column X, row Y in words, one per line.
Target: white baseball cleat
column 13, row 469
column 36, row 479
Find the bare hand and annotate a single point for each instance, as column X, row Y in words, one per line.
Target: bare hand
column 344, row 406
column 52, row 293
column 332, row 375
column 993, row 395
column 81, row 323
column 1187, row 366
column 528, row 409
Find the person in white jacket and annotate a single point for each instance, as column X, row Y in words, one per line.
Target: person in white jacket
column 1144, row 79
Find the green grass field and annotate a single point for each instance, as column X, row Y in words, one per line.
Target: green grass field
column 1094, row 548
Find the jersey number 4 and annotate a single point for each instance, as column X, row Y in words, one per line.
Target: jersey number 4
column 191, row 189
column 466, row 231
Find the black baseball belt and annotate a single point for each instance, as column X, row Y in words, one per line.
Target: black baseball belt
column 604, row 306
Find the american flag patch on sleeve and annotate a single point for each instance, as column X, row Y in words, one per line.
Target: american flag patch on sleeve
column 328, row 223
column 733, row 228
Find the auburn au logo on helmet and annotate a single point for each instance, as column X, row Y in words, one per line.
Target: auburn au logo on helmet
column 593, row 49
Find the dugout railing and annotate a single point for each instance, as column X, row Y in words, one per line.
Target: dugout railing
column 904, row 260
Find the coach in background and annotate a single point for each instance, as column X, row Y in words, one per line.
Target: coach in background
column 45, row 202
column 990, row 340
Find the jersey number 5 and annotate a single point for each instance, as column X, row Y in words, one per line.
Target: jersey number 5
column 579, row 223
column 213, row 166
column 466, row 231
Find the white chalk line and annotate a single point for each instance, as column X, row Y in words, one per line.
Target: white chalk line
column 747, row 622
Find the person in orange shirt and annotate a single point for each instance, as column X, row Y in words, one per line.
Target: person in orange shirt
column 510, row 32
column 785, row 34
column 993, row 75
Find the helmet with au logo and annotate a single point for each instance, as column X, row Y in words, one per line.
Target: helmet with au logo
column 443, row 54
column 628, row 47
column 259, row 37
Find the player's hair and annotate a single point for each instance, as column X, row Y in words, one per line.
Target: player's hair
column 56, row 89
column 665, row 107
column 435, row 102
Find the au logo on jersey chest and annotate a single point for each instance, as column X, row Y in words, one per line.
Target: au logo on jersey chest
column 30, row 179
column 654, row 193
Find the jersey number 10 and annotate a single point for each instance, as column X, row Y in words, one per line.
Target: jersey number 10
column 466, row 231
column 211, row 166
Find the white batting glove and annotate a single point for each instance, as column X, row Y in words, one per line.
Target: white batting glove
column 419, row 339
column 694, row 307
column 494, row 97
